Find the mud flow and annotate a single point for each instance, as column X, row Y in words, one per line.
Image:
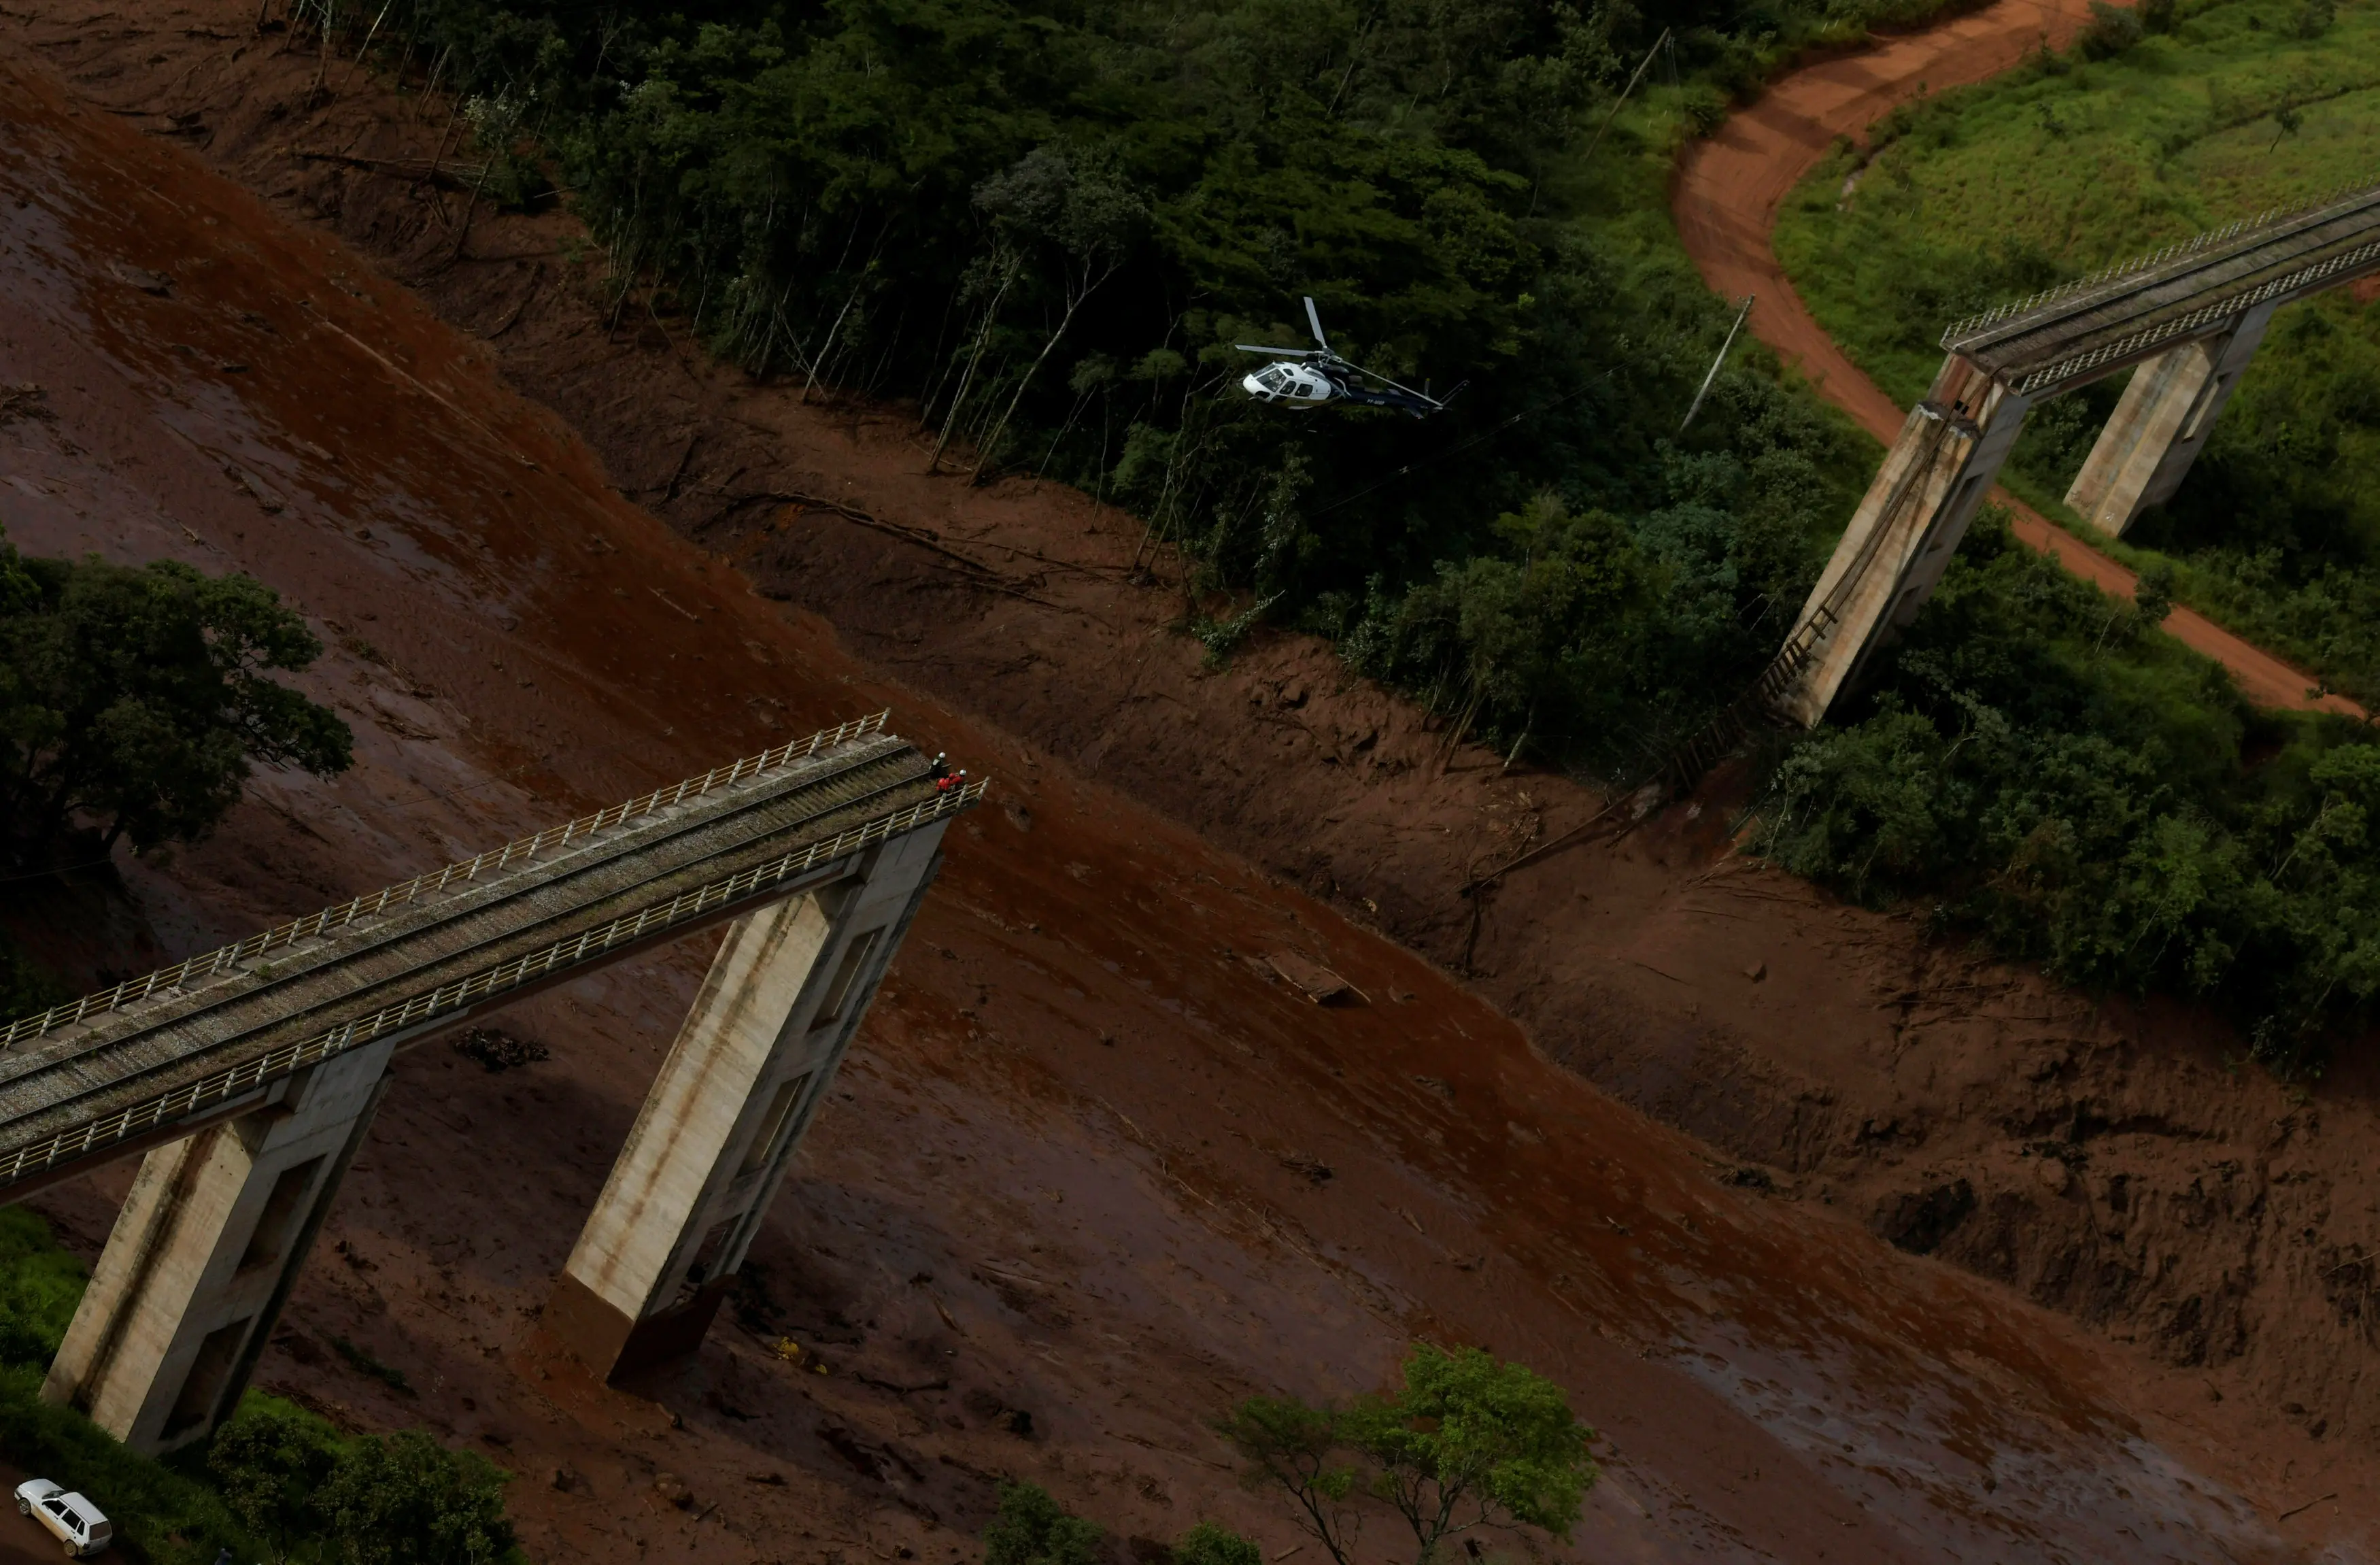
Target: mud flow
column 1095, row 1169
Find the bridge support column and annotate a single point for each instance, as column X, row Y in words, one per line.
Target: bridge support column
column 204, row 1255
column 2161, row 424
column 1903, row 533
column 755, row 1056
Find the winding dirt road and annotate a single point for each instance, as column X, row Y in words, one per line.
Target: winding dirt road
column 1726, row 197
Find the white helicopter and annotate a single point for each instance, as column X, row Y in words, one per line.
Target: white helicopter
column 1308, row 376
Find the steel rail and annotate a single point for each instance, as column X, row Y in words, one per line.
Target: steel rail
column 2274, row 217
column 521, row 849
column 461, row 993
column 2182, row 325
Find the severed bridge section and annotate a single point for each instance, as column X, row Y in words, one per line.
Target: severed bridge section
column 2185, row 320
column 248, row 1076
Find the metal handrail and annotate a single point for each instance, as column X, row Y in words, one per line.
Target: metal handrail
column 1958, row 330
column 2205, row 315
column 166, row 1107
column 522, row 849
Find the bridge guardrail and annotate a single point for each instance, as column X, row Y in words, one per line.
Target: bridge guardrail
column 2236, row 303
column 2268, row 218
column 167, row 1107
column 521, row 849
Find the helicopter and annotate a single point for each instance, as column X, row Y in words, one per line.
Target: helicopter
column 1307, row 377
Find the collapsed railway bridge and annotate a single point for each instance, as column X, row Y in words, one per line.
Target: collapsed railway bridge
column 249, row 1076
column 2185, row 320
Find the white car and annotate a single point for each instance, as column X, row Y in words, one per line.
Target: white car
column 74, row 1520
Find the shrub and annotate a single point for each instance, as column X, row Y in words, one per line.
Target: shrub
column 1031, row 1528
column 1208, row 1543
column 2112, row 31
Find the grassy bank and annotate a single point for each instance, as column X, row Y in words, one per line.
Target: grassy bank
column 2072, row 162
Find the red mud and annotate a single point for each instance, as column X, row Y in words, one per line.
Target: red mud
column 1726, row 197
column 1100, row 1203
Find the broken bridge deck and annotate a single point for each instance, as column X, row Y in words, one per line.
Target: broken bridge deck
column 158, row 1057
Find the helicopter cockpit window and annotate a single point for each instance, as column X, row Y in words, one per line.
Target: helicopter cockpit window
column 1275, row 379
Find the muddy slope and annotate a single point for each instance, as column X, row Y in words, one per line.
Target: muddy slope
column 2103, row 1162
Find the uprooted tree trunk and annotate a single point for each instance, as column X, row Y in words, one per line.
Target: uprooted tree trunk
column 1074, row 300
column 975, row 357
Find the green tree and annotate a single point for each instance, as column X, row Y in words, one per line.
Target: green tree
column 405, row 1499
column 2153, row 593
column 1077, row 216
column 135, row 698
column 268, row 1464
column 1468, row 1440
column 1285, row 1443
column 2285, row 121
column 1032, row 1528
column 1474, row 1441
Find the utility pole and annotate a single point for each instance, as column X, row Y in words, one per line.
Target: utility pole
column 1732, row 331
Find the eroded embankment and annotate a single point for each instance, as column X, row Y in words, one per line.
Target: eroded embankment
column 1151, row 1236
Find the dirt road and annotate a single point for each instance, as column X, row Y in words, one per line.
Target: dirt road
column 1091, row 1165
column 1726, row 197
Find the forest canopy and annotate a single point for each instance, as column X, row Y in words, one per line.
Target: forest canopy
column 1041, row 224
column 1044, row 224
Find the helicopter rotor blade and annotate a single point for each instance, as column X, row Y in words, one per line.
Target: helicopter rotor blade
column 1314, row 318
column 1280, row 352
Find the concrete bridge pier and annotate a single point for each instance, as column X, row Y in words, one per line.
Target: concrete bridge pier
column 2161, row 424
column 1901, row 537
column 753, row 1059
column 203, row 1254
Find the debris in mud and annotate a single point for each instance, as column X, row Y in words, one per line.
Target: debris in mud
column 727, row 1409
column 1318, row 983
column 271, row 503
column 568, row 1480
column 300, row 1348
column 1314, row 1169
column 774, row 1480
column 26, row 401
column 998, row 1415
column 756, row 1310
column 864, row 1458
column 671, row 1489
column 1749, row 1178
column 789, row 1352
column 363, row 1363
column 141, row 278
column 1918, row 1221
column 499, row 1051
